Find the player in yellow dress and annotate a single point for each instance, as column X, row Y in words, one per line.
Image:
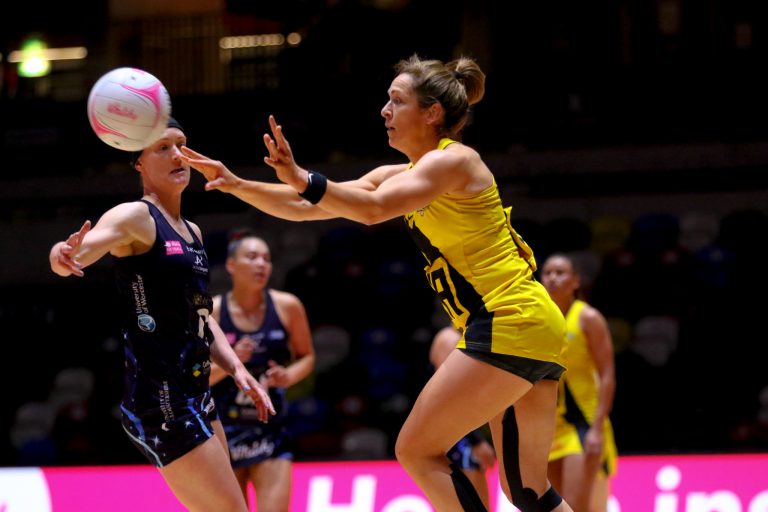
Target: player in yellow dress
column 508, row 361
column 583, row 454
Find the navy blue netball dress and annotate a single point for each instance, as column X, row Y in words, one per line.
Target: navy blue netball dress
column 167, row 407
column 250, row 440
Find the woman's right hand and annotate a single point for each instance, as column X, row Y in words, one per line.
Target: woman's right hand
column 218, row 175
column 62, row 255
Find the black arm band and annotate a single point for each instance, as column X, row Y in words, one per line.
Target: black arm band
column 316, row 186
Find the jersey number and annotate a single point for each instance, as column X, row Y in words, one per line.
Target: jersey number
column 202, row 315
column 440, row 282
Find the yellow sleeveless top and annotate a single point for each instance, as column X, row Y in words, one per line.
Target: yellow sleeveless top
column 577, row 397
column 581, row 377
column 483, row 273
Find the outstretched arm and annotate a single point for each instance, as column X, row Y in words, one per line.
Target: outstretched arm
column 276, row 199
column 436, row 173
column 119, row 230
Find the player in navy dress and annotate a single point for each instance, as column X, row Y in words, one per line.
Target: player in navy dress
column 270, row 333
column 170, row 339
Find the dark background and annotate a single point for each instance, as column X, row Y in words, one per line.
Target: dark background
column 631, row 133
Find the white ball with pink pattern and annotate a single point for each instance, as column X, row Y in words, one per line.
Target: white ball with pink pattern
column 128, row 108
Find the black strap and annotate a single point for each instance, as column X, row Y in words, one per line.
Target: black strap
column 468, row 498
column 316, row 186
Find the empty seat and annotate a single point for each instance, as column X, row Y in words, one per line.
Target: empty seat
column 364, row 443
column 332, row 344
column 655, row 338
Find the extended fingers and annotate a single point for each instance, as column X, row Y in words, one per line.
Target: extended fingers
column 188, row 152
column 70, row 264
column 272, row 123
column 277, row 131
column 271, row 147
column 86, row 227
column 214, row 184
column 262, row 402
column 75, row 239
column 201, row 164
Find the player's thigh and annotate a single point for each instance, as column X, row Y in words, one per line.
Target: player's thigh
column 463, row 394
column 272, row 482
column 221, row 436
column 202, row 479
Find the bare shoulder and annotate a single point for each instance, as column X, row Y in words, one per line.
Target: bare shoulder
column 285, row 301
column 464, row 163
column 134, row 210
column 132, row 217
column 591, row 316
column 454, row 154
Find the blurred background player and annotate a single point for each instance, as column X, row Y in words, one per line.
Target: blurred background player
column 270, row 334
column 583, row 455
column 170, row 339
column 473, row 454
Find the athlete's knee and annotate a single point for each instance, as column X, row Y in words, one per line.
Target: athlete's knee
column 406, row 451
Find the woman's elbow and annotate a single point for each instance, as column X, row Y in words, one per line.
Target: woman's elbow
column 373, row 215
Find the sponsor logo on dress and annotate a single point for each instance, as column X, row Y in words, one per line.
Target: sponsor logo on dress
column 146, row 323
column 201, row 368
column 173, row 247
column 210, row 406
column 255, row 449
column 164, row 394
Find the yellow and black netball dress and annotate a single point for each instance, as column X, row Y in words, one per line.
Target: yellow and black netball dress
column 578, row 397
column 483, row 273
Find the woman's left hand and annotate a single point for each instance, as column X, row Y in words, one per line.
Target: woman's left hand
column 256, row 392
column 593, row 441
column 281, row 158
